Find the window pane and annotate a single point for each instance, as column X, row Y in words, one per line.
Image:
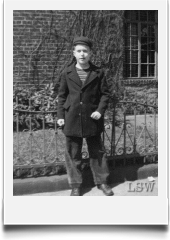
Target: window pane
column 151, row 44
column 134, row 15
column 144, row 30
column 134, row 42
column 127, row 70
column 134, row 72
column 152, row 57
column 134, row 56
column 143, row 43
column 127, row 56
column 134, row 29
column 127, row 29
column 143, row 56
column 127, row 42
column 151, row 30
column 151, row 16
column 143, row 15
column 143, row 70
column 151, row 70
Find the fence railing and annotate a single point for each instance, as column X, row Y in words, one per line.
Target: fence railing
column 128, row 138
column 133, row 137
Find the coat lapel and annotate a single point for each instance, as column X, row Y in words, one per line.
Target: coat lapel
column 72, row 74
column 92, row 75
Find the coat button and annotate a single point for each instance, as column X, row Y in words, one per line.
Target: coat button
column 81, row 102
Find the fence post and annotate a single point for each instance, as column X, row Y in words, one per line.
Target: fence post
column 134, row 143
column 113, row 133
column 124, row 128
column 44, row 156
column 145, row 126
column 113, row 139
column 17, row 126
column 56, row 158
column 30, row 118
column 154, row 146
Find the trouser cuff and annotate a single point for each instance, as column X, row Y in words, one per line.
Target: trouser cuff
column 75, row 185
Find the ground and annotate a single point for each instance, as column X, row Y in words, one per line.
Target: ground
column 142, row 187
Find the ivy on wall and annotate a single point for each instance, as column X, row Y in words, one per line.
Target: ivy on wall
column 43, row 44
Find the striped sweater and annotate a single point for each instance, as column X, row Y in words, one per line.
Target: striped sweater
column 82, row 73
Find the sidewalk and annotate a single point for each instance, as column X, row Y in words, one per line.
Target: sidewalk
column 119, row 179
column 140, row 187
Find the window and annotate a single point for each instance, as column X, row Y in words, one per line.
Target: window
column 141, row 44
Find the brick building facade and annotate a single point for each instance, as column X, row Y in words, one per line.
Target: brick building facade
column 126, row 45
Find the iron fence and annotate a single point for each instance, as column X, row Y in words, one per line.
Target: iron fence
column 128, row 138
column 133, row 138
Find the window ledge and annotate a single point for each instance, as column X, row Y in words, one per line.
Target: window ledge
column 139, row 81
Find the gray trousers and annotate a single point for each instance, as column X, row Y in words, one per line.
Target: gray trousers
column 98, row 161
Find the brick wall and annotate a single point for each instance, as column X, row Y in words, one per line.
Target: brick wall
column 42, row 45
column 42, row 41
column 37, row 45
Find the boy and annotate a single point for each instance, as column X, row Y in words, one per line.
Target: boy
column 82, row 100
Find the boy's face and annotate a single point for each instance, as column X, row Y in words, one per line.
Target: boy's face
column 82, row 54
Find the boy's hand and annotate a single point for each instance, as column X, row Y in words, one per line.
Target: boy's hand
column 60, row 122
column 96, row 115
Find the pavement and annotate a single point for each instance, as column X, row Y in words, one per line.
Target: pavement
column 141, row 187
column 120, row 179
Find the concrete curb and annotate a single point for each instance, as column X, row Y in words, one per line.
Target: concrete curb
column 59, row 182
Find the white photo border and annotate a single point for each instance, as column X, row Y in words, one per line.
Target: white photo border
column 123, row 210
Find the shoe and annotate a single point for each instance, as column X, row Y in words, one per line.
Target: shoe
column 106, row 189
column 75, row 192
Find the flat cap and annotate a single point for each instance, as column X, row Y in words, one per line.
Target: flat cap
column 82, row 40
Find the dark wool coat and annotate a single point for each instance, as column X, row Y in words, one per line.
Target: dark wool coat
column 76, row 102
